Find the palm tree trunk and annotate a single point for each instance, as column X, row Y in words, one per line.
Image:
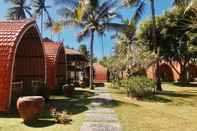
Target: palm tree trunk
column 91, row 60
column 158, row 81
column 41, row 24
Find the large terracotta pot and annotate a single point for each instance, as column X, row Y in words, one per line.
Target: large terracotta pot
column 30, row 107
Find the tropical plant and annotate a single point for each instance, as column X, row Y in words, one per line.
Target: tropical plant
column 140, row 5
column 192, row 21
column 91, row 16
column 139, row 87
column 176, row 40
column 83, row 50
column 19, row 10
column 40, row 8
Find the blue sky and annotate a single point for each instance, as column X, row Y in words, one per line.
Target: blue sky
column 69, row 34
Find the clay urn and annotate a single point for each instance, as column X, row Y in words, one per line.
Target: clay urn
column 30, row 107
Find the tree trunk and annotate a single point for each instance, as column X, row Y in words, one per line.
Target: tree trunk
column 41, row 24
column 91, row 60
column 183, row 74
column 156, row 48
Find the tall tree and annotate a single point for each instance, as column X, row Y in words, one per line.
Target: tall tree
column 192, row 21
column 176, row 40
column 140, row 4
column 40, row 10
column 92, row 17
column 19, row 10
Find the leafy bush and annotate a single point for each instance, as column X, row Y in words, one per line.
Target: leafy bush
column 138, row 87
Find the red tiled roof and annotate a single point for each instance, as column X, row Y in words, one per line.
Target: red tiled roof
column 11, row 33
column 71, row 52
column 52, row 50
column 73, row 55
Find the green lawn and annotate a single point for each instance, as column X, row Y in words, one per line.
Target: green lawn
column 174, row 109
column 76, row 106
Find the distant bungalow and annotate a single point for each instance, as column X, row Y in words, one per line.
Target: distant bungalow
column 170, row 71
column 100, row 74
column 56, row 71
column 76, row 67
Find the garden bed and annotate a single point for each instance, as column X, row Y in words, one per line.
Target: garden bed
column 75, row 106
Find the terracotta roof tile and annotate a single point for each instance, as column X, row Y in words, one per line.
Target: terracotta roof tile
column 71, row 52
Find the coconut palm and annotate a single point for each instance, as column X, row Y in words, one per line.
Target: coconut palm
column 140, row 5
column 19, row 10
column 192, row 8
column 92, row 17
column 40, row 9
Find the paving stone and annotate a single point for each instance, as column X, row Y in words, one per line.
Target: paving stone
column 101, row 110
column 99, row 118
column 91, row 126
column 96, row 103
column 93, row 117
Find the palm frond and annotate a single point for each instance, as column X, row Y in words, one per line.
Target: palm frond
column 181, row 2
column 129, row 3
column 138, row 12
column 28, row 12
column 115, row 26
column 83, row 34
column 48, row 24
column 48, row 15
column 107, row 9
column 71, row 23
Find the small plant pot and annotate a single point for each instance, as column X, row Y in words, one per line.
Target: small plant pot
column 30, row 107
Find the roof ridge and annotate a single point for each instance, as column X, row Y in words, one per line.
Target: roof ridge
column 18, row 21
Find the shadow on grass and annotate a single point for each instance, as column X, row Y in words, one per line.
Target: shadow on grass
column 157, row 98
column 9, row 115
column 40, row 123
column 175, row 94
column 72, row 105
column 111, row 103
column 186, row 84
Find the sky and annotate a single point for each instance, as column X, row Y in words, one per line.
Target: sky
column 69, row 34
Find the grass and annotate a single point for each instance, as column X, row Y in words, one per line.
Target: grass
column 173, row 109
column 75, row 106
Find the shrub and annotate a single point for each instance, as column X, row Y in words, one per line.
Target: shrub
column 138, row 87
column 61, row 117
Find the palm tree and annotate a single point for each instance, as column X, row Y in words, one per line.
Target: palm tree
column 40, row 9
column 92, row 17
column 140, row 5
column 192, row 22
column 19, row 10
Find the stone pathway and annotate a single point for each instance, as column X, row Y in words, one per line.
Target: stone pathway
column 98, row 117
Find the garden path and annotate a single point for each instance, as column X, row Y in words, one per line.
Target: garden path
column 100, row 117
